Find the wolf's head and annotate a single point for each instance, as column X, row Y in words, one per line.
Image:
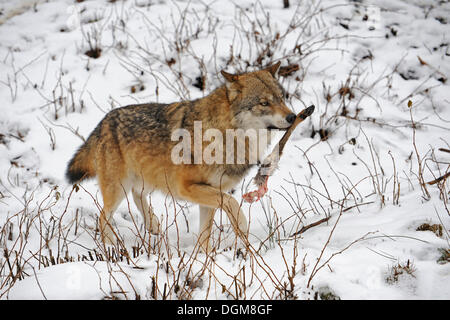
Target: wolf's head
column 257, row 100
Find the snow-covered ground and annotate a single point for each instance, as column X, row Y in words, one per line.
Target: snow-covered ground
column 64, row 64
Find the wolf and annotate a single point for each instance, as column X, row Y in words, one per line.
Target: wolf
column 130, row 149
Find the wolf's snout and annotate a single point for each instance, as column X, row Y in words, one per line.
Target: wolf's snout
column 290, row 117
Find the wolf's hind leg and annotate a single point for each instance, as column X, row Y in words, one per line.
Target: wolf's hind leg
column 206, row 222
column 151, row 222
column 112, row 196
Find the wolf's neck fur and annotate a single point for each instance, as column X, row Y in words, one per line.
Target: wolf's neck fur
column 210, row 110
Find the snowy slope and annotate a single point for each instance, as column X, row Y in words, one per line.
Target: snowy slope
column 64, row 64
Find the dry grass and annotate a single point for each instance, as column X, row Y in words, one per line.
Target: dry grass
column 400, row 270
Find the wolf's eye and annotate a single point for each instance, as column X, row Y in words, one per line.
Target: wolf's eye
column 264, row 103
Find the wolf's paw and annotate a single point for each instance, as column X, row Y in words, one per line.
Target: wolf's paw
column 206, row 249
column 155, row 226
column 108, row 239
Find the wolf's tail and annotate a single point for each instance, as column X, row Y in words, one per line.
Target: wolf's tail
column 81, row 166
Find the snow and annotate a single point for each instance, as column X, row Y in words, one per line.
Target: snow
column 385, row 52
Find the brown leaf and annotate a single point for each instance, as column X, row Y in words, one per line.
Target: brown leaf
column 421, row 61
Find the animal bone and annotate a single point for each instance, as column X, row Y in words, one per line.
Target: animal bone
column 270, row 163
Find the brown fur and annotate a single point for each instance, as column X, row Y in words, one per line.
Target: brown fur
column 131, row 149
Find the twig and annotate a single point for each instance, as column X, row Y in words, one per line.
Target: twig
column 309, row 226
column 445, row 176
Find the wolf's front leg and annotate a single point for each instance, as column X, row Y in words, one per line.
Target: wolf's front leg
column 213, row 198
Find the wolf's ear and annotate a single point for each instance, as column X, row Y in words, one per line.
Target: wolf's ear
column 231, row 85
column 229, row 77
column 273, row 68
